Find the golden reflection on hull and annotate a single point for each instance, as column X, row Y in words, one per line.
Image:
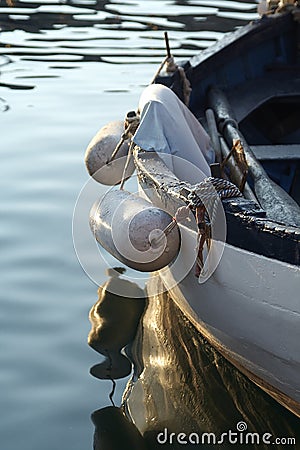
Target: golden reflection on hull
column 184, row 384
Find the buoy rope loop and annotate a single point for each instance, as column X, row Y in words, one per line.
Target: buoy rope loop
column 131, row 124
column 209, row 188
column 181, row 214
column 205, row 199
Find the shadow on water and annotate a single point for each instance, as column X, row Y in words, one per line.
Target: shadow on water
column 180, row 384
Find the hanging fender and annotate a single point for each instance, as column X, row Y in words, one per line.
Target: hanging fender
column 131, row 229
column 100, row 150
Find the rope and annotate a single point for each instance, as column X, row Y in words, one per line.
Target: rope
column 202, row 198
column 159, row 70
column 205, row 199
column 204, row 236
column 237, row 151
column 172, row 67
column 286, row 5
column 186, row 85
column 181, row 214
column 132, row 121
column 126, row 166
column 267, row 7
column 210, row 189
column 208, row 194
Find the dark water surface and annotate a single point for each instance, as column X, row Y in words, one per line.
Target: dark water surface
column 66, row 69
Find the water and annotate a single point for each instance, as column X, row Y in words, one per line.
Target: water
column 66, row 69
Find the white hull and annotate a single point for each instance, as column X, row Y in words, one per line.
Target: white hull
column 250, row 310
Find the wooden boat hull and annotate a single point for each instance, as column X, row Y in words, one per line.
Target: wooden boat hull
column 249, row 308
column 240, row 311
column 182, row 384
column 248, row 305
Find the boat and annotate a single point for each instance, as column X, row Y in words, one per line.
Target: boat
column 181, row 391
column 241, row 291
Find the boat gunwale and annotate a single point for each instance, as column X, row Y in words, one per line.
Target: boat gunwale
column 246, row 36
column 239, row 211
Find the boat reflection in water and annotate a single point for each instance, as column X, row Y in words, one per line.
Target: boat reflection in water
column 115, row 319
column 180, row 384
column 113, row 431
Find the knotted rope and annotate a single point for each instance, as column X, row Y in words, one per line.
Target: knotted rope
column 205, row 199
column 132, row 121
column 238, row 154
column 172, row 67
column 208, row 193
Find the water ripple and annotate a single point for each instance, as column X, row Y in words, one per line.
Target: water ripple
column 3, row 105
column 84, row 31
column 167, row 9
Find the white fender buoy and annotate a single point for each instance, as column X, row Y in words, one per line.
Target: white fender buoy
column 99, row 151
column 131, row 229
